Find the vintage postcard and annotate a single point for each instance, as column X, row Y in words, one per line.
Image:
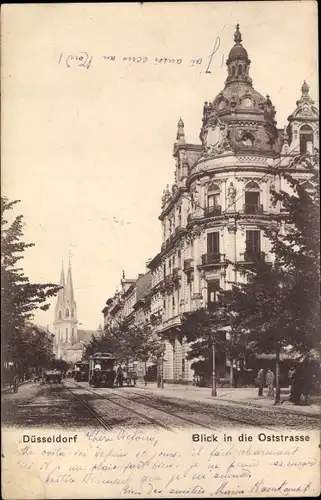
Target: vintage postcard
column 160, row 250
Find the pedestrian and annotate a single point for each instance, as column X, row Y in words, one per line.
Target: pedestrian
column 306, row 381
column 260, row 377
column 296, row 386
column 291, row 374
column 270, row 382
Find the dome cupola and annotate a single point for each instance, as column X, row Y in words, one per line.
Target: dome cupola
column 240, row 119
column 238, row 63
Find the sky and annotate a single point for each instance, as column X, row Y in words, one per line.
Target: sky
column 85, row 147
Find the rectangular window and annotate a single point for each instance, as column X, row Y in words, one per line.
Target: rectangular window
column 213, row 242
column 164, row 270
column 213, row 200
column 213, row 288
column 252, row 198
column 253, row 241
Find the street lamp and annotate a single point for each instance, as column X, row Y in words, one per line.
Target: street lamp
column 214, row 392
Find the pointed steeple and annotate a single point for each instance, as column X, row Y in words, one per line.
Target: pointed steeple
column 69, row 290
column 61, row 293
column 62, row 276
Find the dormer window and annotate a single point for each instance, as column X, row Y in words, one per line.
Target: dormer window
column 306, row 140
column 248, row 139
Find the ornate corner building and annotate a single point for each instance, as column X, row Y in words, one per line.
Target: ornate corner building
column 211, row 215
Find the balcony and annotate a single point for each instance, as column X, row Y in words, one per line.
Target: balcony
column 252, row 209
column 254, row 256
column 213, row 211
column 176, row 274
column 211, row 258
column 188, row 266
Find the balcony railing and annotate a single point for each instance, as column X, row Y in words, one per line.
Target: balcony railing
column 253, row 208
column 188, row 265
column 211, row 258
column 212, row 211
column 254, row 256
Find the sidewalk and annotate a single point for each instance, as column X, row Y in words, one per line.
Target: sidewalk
column 6, row 390
column 244, row 396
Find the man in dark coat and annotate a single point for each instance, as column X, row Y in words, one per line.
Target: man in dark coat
column 260, row 377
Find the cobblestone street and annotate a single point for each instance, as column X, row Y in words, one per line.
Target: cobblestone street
column 78, row 405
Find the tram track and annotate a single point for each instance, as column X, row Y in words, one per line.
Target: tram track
column 153, row 421
column 231, row 418
column 239, row 420
column 91, row 410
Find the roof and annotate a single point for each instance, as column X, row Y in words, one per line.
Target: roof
column 143, row 286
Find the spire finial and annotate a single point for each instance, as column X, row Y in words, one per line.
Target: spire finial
column 123, row 274
column 305, row 88
column 237, row 35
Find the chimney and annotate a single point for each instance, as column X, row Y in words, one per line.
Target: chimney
column 146, row 263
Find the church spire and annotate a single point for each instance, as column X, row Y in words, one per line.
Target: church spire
column 69, row 285
column 61, row 293
column 62, row 276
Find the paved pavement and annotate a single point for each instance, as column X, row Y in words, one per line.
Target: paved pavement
column 245, row 396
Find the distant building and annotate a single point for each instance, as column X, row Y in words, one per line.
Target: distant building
column 69, row 341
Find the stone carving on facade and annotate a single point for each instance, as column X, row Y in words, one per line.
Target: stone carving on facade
column 215, row 138
column 174, row 189
column 231, row 227
column 231, row 193
column 251, row 159
column 166, row 196
column 194, row 232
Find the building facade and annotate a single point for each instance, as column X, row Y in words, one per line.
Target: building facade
column 212, row 213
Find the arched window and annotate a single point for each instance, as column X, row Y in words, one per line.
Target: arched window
column 252, row 198
column 67, row 313
column 213, row 196
column 248, row 139
column 306, row 140
column 72, row 313
column 59, row 314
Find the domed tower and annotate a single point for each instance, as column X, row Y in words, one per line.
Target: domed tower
column 302, row 131
column 240, row 119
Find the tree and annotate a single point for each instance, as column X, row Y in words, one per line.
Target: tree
column 127, row 343
column 279, row 303
column 205, row 330
column 19, row 297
